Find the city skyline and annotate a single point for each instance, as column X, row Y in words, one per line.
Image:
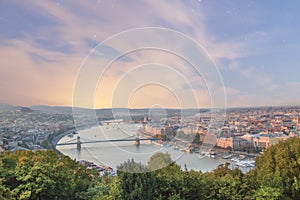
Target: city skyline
column 254, row 44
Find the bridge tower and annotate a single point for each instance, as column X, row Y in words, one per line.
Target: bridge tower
column 78, row 143
column 137, row 141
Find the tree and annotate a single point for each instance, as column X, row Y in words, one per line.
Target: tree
column 8, row 163
column 159, row 160
column 169, row 182
column 279, row 167
column 43, row 175
column 45, row 144
column 223, row 183
column 134, row 182
column 46, row 175
column 5, row 192
column 197, row 138
column 266, row 192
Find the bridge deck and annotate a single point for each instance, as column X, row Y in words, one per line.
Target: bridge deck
column 99, row 141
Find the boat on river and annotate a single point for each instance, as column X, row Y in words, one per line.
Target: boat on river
column 227, row 156
column 246, row 163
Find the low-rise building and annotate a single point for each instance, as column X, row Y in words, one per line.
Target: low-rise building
column 233, row 142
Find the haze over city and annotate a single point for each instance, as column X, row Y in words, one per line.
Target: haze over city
column 254, row 44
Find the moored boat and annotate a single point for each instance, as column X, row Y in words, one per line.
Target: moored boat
column 227, row 156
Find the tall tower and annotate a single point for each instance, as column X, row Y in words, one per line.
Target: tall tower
column 78, row 143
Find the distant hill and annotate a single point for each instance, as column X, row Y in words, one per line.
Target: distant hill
column 26, row 109
column 69, row 110
column 56, row 109
column 117, row 112
column 6, row 107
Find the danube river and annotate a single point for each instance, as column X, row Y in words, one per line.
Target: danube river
column 114, row 153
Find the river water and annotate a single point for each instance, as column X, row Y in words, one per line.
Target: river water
column 115, row 153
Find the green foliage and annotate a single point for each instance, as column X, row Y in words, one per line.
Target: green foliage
column 169, row 181
column 134, row 182
column 222, row 183
column 5, row 192
column 45, row 144
column 266, row 192
column 196, row 140
column 277, row 176
column 159, row 160
column 279, row 167
column 173, row 183
column 43, row 175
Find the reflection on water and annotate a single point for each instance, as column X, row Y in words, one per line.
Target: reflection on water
column 115, row 153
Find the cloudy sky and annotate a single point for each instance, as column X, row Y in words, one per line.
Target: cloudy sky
column 254, row 44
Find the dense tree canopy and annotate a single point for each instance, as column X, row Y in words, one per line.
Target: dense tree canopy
column 159, row 160
column 278, row 169
column 277, row 176
column 45, row 175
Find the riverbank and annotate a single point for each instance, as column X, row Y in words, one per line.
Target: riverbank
column 56, row 139
column 190, row 147
column 117, row 153
column 89, row 164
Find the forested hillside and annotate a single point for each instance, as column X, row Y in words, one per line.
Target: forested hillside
column 46, row 175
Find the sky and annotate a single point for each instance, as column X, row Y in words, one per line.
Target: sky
column 254, row 45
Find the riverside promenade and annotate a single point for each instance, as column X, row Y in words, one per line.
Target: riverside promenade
column 57, row 138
